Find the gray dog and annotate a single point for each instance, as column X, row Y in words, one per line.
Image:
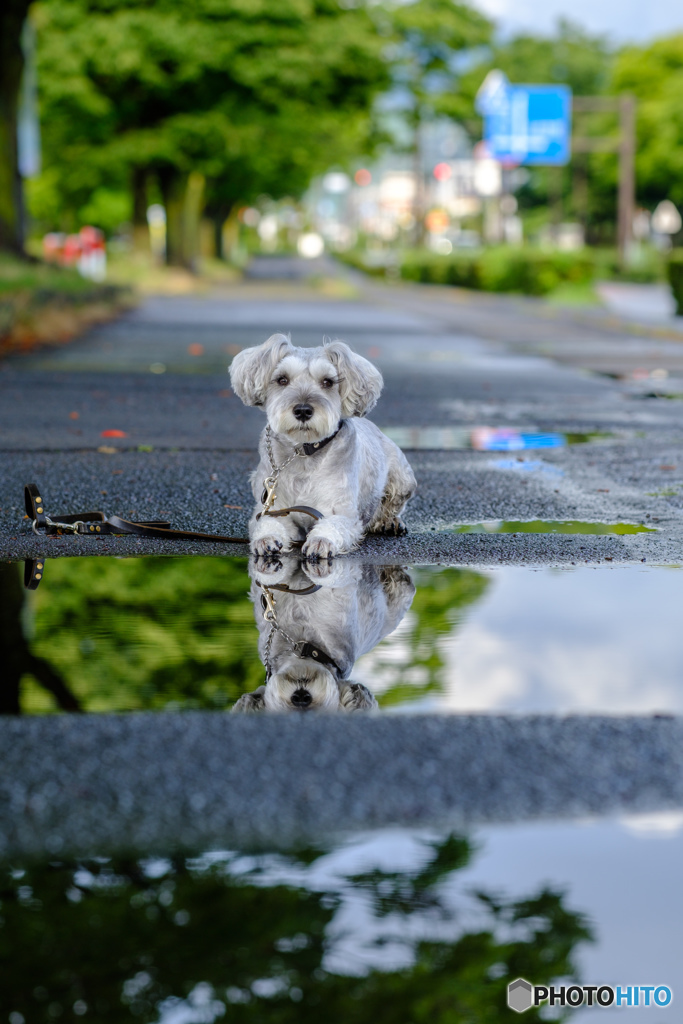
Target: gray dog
column 317, row 631
column 317, row 451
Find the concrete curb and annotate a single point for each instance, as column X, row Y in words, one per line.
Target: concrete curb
column 144, row 783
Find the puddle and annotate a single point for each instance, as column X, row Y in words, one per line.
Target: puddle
column 548, row 526
column 113, row 635
column 395, row 925
column 485, row 439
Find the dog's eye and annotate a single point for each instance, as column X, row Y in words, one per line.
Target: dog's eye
column 283, row 381
column 327, row 382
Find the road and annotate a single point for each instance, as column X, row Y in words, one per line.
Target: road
column 452, row 360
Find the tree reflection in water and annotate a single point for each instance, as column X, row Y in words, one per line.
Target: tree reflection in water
column 106, row 634
column 254, row 939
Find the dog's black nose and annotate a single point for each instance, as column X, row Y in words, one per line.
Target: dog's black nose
column 303, row 411
column 301, row 698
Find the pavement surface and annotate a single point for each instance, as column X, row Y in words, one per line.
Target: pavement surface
column 152, row 783
column 137, row 418
column 451, row 359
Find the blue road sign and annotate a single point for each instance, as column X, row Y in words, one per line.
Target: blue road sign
column 526, row 124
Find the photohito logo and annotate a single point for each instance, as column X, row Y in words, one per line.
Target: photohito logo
column 522, row 995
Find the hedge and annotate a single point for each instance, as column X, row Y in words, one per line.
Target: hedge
column 530, row 271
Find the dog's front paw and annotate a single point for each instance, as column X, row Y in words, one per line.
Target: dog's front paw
column 317, row 549
column 268, row 566
column 249, row 702
column 392, row 528
column 356, row 697
column 267, row 547
column 319, row 569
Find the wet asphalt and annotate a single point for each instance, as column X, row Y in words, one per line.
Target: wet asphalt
column 182, row 447
column 450, row 359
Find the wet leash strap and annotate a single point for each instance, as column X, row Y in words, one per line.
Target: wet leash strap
column 94, row 524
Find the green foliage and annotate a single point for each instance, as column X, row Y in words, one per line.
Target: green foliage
column 19, row 276
column 571, row 56
column 654, row 74
column 427, row 38
column 129, row 634
column 255, row 96
column 503, row 269
column 151, row 633
column 437, row 609
column 123, row 936
column 675, row 275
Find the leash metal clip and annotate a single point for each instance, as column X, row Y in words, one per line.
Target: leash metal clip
column 268, row 602
column 68, row 527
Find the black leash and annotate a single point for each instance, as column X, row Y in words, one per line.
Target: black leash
column 90, row 524
column 98, row 524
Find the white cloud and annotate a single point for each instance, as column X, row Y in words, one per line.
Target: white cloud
column 591, row 640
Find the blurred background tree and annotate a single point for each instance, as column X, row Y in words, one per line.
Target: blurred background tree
column 208, row 106
column 654, row 74
column 12, row 18
column 571, row 56
column 197, row 101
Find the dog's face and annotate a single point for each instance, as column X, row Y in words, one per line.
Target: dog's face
column 278, row 695
column 299, row 685
column 305, row 391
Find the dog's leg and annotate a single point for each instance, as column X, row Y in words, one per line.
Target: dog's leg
column 399, row 487
column 270, row 536
column 333, row 535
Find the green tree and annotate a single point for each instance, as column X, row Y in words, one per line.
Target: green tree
column 570, row 56
column 12, row 16
column 215, row 98
column 437, row 610
column 654, row 74
column 16, row 656
column 120, row 937
column 146, row 633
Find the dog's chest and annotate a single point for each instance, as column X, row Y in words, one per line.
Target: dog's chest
column 305, row 483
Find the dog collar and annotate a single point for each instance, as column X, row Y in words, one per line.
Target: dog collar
column 311, row 447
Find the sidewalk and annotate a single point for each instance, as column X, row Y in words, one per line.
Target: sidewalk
column 451, row 360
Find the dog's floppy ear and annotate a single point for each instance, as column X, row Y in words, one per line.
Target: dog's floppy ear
column 249, row 702
column 361, row 382
column 251, row 369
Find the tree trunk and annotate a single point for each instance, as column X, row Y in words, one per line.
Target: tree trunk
column 172, row 185
column 11, row 66
column 16, row 657
column 140, row 225
column 184, row 201
column 193, row 206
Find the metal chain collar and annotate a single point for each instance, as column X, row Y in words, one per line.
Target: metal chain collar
column 268, row 497
column 269, row 615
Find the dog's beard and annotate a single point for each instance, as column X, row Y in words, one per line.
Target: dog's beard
column 323, row 422
column 301, row 675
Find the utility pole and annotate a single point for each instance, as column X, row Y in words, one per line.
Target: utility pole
column 625, row 146
column 627, row 174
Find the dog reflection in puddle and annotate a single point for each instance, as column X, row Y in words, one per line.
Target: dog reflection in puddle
column 321, row 626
